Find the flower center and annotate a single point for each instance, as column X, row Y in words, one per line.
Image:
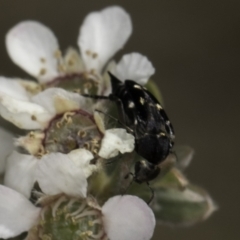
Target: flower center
column 70, row 219
column 71, row 131
column 77, row 82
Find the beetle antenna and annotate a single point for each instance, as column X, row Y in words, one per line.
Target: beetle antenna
column 129, row 185
column 152, row 194
column 94, row 96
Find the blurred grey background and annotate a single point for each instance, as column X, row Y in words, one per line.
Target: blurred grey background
column 194, row 46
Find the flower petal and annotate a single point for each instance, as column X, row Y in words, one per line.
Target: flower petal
column 13, row 88
column 105, row 87
column 56, row 174
column 128, row 217
column 32, row 46
column 20, row 172
column 57, row 100
column 82, row 157
column 23, row 114
column 102, row 35
column 6, row 146
column 114, row 141
column 17, row 213
column 32, row 142
column 135, row 67
column 73, row 61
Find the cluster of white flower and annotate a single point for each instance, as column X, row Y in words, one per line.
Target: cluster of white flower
column 67, row 143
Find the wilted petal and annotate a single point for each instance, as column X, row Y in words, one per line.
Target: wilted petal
column 17, row 213
column 135, row 67
column 128, row 217
column 56, row 174
column 13, row 88
column 102, row 35
column 114, row 141
column 32, row 46
column 6, row 146
column 23, row 114
column 57, row 100
column 82, row 157
column 20, row 172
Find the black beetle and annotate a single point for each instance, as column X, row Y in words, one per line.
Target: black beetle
column 143, row 116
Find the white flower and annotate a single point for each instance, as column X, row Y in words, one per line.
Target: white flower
column 19, row 215
column 128, row 217
column 20, row 172
column 54, row 172
column 23, row 170
column 116, row 140
column 37, row 111
column 34, row 48
column 134, row 66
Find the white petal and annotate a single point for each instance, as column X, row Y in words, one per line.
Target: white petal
column 105, row 87
column 17, row 213
column 23, row 114
column 13, row 88
column 56, row 174
column 6, row 146
column 73, row 61
column 135, row 67
column 20, row 172
column 128, row 217
column 82, row 157
column 102, row 35
column 32, row 46
column 32, row 142
column 57, row 100
column 114, row 141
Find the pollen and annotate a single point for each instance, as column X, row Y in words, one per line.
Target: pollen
column 88, row 52
column 61, row 68
column 57, row 54
column 42, row 60
column 71, row 62
column 94, row 55
column 33, row 118
column 42, row 71
column 88, row 85
column 82, row 134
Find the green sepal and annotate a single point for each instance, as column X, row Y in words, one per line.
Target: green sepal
column 172, row 179
column 182, row 207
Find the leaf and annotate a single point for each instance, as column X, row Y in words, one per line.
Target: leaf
column 173, row 206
